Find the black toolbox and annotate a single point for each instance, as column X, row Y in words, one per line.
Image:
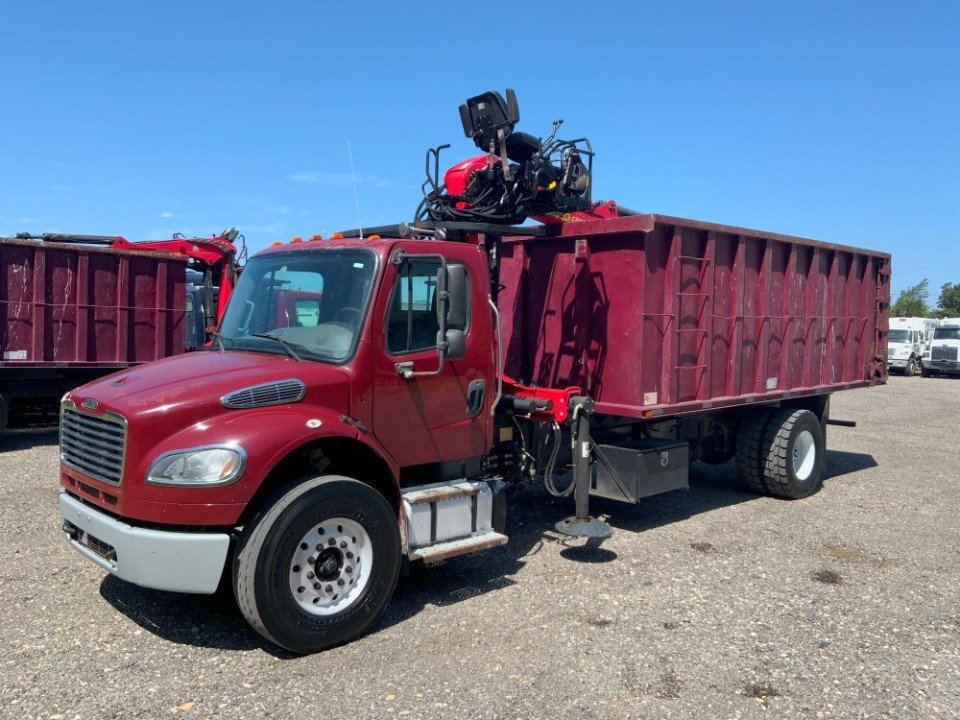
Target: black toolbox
column 635, row 469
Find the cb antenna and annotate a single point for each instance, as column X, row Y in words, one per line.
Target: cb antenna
column 356, row 195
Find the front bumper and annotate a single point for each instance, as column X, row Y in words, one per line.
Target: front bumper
column 165, row 560
column 900, row 363
column 944, row 366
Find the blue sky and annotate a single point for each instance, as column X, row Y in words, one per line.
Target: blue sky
column 832, row 120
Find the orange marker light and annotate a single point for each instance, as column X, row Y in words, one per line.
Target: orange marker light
column 314, row 238
column 337, row 236
column 371, row 238
column 275, row 243
column 296, row 240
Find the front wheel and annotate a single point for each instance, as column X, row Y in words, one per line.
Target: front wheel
column 911, row 369
column 315, row 568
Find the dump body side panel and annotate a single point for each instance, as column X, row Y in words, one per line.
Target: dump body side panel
column 655, row 316
column 65, row 305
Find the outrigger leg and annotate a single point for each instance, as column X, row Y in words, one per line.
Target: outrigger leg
column 581, row 524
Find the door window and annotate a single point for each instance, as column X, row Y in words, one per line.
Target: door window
column 412, row 323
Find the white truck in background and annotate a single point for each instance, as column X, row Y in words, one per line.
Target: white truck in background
column 908, row 340
column 943, row 356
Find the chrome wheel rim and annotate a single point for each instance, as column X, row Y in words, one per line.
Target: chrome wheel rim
column 804, row 455
column 331, row 566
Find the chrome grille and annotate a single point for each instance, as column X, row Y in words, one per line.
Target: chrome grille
column 943, row 352
column 273, row 393
column 93, row 444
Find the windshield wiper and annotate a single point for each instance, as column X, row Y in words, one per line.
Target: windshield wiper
column 286, row 346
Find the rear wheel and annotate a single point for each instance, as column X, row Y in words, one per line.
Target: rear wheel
column 781, row 453
column 317, row 567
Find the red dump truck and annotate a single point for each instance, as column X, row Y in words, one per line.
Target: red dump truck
column 76, row 307
column 373, row 400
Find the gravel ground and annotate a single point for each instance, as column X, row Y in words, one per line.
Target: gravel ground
column 712, row 603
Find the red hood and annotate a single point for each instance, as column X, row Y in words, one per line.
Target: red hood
column 196, row 381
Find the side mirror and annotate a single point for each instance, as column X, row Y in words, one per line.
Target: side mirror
column 452, row 311
column 457, row 288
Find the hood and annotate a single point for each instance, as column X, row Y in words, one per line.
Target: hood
column 194, row 382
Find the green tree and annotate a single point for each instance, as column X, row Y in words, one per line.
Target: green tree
column 949, row 302
column 912, row 302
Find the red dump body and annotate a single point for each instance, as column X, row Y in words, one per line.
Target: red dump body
column 654, row 315
column 65, row 305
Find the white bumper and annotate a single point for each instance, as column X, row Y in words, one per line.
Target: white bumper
column 164, row 560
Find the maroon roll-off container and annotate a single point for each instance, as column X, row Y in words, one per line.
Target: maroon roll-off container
column 653, row 315
column 69, row 313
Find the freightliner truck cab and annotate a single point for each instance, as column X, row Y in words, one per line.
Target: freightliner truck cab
column 326, row 370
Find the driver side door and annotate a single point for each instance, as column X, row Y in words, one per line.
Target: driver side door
column 430, row 418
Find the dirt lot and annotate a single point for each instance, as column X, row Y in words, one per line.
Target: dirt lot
column 712, row 603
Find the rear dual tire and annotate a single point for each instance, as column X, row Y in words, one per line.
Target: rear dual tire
column 781, row 452
column 317, row 566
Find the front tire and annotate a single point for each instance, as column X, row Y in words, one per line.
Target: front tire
column 911, row 369
column 316, row 567
column 781, row 453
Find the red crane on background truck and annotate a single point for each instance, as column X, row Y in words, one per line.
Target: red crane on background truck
column 76, row 307
column 373, row 398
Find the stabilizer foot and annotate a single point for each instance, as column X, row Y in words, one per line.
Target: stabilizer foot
column 590, row 528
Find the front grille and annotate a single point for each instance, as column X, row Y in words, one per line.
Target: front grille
column 93, row 444
column 273, row 393
column 97, row 546
column 943, row 352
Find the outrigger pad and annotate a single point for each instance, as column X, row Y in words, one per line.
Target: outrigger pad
column 592, row 528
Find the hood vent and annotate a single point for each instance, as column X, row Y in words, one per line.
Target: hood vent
column 272, row 393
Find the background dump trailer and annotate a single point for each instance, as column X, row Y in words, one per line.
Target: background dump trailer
column 655, row 316
column 73, row 311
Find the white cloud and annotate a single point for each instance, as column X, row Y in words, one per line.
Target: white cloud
column 337, row 179
column 275, row 228
column 166, row 214
column 28, row 219
column 164, row 233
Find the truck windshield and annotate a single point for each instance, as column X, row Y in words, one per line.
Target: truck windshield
column 947, row 333
column 314, row 300
column 897, row 336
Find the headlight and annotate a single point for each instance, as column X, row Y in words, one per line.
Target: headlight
column 199, row 467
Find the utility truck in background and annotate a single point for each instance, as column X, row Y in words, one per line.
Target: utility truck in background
column 907, row 341
column 376, row 398
column 943, row 357
column 76, row 307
